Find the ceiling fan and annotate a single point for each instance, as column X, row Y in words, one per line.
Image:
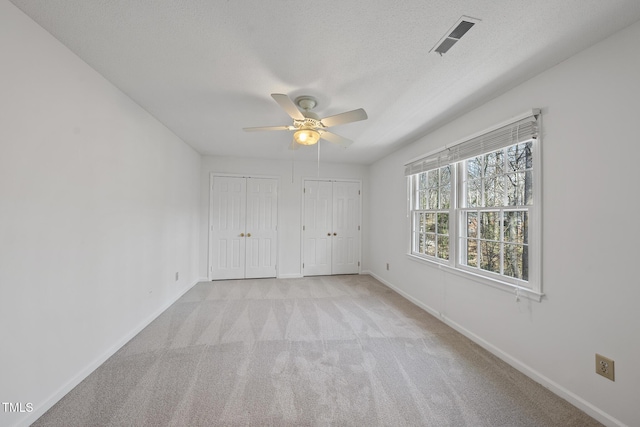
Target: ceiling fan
column 308, row 127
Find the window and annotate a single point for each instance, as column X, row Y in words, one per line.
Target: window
column 497, row 191
column 431, row 213
column 473, row 206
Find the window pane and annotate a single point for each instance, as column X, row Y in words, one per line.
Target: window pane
column 472, row 224
column 528, row 188
column 443, row 223
column 422, row 179
column 430, row 222
column 445, row 197
column 421, row 223
column 519, row 157
column 433, row 199
column 516, row 262
column 474, row 168
column 515, row 189
column 422, row 200
column 472, row 253
column 519, row 189
column 430, row 244
column 515, row 226
column 445, row 175
column 433, row 180
column 474, row 193
column 443, row 247
column 494, row 191
column 489, row 226
column 490, row 256
column 494, row 163
column 421, row 243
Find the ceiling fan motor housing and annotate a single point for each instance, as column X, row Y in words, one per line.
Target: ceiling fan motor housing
column 306, row 102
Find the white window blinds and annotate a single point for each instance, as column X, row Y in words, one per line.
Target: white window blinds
column 518, row 129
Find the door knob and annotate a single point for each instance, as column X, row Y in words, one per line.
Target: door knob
column 241, row 234
column 335, row 234
column 248, row 234
column 328, row 234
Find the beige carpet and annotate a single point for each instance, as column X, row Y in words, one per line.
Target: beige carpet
column 339, row 350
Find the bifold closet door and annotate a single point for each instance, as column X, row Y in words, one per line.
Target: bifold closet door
column 331, row 228
column 243, row 228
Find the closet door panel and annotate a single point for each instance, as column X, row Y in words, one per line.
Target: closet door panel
column 262, row 227
column 346, row 222
column 227, row 228
column 317, row 232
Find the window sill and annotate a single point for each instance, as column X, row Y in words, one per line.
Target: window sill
column 518, row 291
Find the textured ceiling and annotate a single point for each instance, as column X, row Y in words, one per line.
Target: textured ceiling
column 206, row 68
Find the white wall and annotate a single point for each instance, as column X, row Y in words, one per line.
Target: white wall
column 289, row 200
column 590, row 247
column 100, row 205
column 99, row 208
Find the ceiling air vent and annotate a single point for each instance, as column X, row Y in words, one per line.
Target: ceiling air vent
column 452, row 36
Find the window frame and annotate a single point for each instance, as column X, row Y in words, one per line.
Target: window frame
column 530, row 288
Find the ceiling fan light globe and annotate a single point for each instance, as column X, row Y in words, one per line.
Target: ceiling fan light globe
column 306, row 137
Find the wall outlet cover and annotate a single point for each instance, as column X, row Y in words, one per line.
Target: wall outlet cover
column 605, row 367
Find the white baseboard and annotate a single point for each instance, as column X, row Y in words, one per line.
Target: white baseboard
column 546, row 382
column 87, row 370
column 290, row 276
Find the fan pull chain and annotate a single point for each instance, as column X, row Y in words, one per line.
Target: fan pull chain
column 293, row 155
column 318, row 159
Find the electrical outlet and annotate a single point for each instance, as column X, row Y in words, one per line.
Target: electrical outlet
column 387, row 266
column 605, row 367
column 177, row 276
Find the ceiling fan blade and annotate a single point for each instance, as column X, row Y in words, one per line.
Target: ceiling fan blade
column 336, row 139
column 256, row 129
column 287, row 105
column 342, row 118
